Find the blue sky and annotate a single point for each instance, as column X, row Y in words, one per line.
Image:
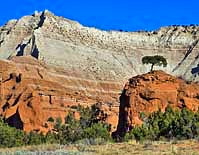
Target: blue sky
column 127, row 15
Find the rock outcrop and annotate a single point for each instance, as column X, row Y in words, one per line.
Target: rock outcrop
column 152, row 92
column 50, row 63
column 31, row 93
column 96, row 54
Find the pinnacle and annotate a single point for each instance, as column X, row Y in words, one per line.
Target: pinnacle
column 47, row 13
column 44, row 12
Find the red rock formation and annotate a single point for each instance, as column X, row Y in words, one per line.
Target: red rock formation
column 153, row 91
column 32, row 92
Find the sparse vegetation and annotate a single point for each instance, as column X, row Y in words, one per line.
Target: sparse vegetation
column 93, row 134
column 90, row 126
column 172, row 124
column 90, row 135
column 156, row 60
column 188, row 147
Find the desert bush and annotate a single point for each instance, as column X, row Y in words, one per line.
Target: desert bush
column 97, row 130
column 10, row 136
column 50, row 119
column 91, row 125
column 33, row 138
column 58, row 123
column 171, row 124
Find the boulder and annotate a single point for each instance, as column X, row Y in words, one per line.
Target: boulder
column 154, row 91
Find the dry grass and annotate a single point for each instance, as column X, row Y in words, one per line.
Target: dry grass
column 188, row 147
column 148, row 148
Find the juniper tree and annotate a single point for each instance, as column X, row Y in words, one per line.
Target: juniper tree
column 156, row 60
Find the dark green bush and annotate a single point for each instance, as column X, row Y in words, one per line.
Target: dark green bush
column 50, row 119
column 58, row 123
column 9, row 136
column 97, row 130
column 172, row 124
column 91, row 125
column 34, row 138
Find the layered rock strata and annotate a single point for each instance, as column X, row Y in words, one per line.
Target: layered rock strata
column 31, row 93
column 54, row 63
column 155, row 91
column 96, row 54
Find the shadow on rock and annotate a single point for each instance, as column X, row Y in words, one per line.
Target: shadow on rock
column 123, row 125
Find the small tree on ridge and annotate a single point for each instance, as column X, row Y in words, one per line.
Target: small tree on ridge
column 154, row 60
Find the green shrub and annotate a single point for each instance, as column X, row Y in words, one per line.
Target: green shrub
column 34, row 138
column 91, row 125
column 51, row 138
column 58, row 123
column 9, row 136
column 70, row 131
column 50, row 119
column 171, row 124
column 97, row 130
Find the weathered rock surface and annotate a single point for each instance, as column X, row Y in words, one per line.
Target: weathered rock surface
column 31, row 93
column 72, row 64
column 96, row 54
column 152, row 92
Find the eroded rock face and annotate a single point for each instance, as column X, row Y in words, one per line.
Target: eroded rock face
column 153, row 91
column 31, row 93
column 72, row 64
column 96, row 54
